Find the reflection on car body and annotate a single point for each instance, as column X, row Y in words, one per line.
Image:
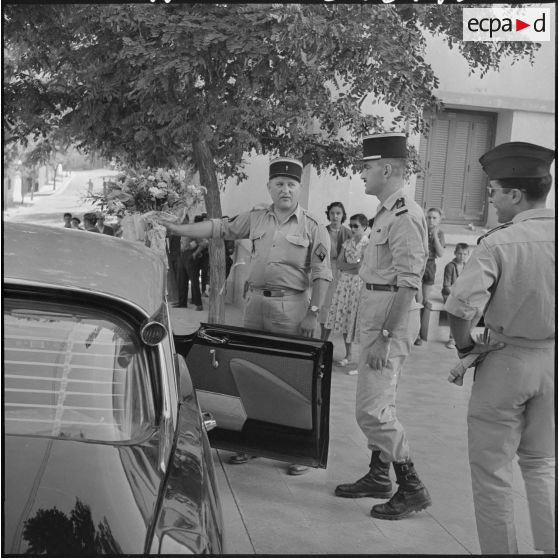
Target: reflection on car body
column 105, row 446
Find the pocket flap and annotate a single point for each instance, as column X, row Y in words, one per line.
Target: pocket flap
column 298, row 240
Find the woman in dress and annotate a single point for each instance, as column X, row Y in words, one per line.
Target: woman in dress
column 343, row 311
column 338, row 233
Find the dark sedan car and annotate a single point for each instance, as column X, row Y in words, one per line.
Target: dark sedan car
column 106, row 413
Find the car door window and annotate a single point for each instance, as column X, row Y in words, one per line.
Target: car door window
column 73, row 372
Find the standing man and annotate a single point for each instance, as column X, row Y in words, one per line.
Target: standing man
column 101, row 227
column 290, row 254
column 510, row 279
column 392, row 270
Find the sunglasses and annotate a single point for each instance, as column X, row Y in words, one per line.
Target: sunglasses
column 491, row 190
column 503, row 190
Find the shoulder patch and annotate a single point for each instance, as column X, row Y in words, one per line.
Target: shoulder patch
column 320, row 252
column 505, row 225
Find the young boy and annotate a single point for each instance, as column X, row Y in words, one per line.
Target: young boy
column 436, row 245
column 451, row 272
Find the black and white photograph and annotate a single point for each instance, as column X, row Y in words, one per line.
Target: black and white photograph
column 278, row 278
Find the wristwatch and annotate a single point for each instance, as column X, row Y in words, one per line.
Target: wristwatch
column 386, row 334
column 314, row 309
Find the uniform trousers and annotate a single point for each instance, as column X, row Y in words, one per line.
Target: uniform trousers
column 511, row 411
column 281, row 314
column 377, row 389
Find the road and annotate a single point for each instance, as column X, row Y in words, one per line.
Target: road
column 48, row 206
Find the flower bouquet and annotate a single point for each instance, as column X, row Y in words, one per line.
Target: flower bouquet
column 142, row 195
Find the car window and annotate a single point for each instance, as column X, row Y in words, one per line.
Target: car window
column 73, row 372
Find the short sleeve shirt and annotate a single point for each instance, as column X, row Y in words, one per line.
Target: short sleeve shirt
column 290, row 254
column 510, row 279
column 398, row 247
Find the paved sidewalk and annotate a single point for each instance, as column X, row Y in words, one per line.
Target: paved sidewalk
column 267, row 511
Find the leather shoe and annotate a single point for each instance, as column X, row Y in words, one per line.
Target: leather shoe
column 297, row 469
column 241, row 458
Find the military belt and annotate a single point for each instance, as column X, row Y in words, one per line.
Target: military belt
column 374, row 287
column 276, row 292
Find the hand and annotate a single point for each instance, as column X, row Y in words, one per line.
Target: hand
column 163, row 222
column 378, row 353
column 308, row 325
column 482, row 348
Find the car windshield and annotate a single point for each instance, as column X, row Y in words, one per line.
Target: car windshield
column 73, row 372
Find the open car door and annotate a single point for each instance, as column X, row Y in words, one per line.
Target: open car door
column 268, row 393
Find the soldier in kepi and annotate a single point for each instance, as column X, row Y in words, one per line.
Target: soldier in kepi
column 510, row 279
column 290, row 255
column 392, row 270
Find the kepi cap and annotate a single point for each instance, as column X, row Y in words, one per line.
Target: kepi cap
column 517, row 159
column 390, row 145
column 285, row 166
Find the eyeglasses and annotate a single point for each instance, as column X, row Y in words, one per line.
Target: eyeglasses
column 491, row 190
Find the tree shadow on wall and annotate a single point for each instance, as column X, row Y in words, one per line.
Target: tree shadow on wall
column 51, row 531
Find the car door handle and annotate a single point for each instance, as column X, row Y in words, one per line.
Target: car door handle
column 208, row 421
column 219, row 340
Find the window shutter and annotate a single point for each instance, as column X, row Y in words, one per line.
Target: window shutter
column 476, row 180
column 437, row 163
column 454, row 179
column 455, row 169
column 423, row 157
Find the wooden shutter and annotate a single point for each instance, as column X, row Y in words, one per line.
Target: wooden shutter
column 454, row 179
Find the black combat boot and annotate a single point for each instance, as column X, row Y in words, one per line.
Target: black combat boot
column 411, row 496
column 375, row 484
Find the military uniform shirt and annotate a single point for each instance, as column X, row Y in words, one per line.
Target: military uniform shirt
column 289, row 254
column 396, row 254
column 510, row 278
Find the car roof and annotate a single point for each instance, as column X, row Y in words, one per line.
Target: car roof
column 86, row 261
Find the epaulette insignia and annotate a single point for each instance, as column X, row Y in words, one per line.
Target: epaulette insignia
column 401, row 212
column 399, row 203
column 493, row 231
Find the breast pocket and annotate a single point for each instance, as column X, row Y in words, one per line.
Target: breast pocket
column 256, row 237
column 381, row 247
column 297, row 250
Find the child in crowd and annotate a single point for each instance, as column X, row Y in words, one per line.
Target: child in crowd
column 343, row 311
column 451, row 272
column 436, row 245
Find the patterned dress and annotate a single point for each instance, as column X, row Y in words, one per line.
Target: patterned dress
column 343, row 312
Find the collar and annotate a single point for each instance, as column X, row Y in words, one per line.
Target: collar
column 390, row 201
column 542, row 213
column 297, row 212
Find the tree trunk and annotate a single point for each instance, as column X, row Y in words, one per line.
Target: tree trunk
column 54, row 179
column 203, row 159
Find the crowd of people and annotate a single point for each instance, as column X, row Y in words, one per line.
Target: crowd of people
column 373, row 281
column 94, row 222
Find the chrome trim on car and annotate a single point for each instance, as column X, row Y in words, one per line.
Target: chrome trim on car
column 50, row 286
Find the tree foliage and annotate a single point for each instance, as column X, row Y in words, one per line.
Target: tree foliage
column 203, row 85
